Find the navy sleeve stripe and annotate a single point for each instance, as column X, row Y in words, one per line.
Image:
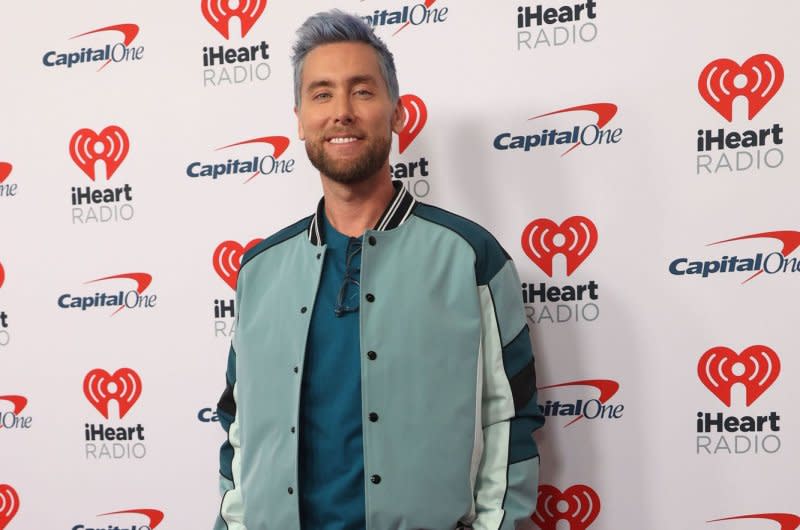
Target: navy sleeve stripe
column 490, row 256
column 521, row 443
column 518, row 352
column 226, row 403
column 277, row 238
column 523, row 386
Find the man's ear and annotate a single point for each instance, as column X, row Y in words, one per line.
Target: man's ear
column 398, row 117
column 300, row 131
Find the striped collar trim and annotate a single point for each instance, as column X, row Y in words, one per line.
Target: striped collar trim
column 400, row 207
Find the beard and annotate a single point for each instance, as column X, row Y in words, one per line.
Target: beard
column 350, row 171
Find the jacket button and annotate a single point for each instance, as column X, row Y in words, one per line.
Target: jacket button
column 373, row 417
column 372, row 240
column 371, row 355
column 375, row 479
column 319, row 255
column 295, row 369
column 370, row 297
column 290, row 490
column 292, row 429
column 303, row 309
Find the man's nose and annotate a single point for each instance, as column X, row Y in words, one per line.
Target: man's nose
column 344, row 111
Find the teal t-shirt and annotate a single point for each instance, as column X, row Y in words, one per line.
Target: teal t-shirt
column 331, row 482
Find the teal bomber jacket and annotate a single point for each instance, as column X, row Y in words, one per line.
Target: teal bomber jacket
column 445, row 356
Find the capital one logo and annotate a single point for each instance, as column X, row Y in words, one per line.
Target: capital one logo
column 578, row 505
column 228, row 259
column 131, row 299
column 594, row 133
column 789, row 240
column 124, row 386
column 758, row 79
column 605, row 113
column 592, row 408
column 219, row 13
column 118, row 53
column 787, row 521
column 756, row 368
column 264, row 165
column 5, row 171
column 87, row 147
column 416, row 115
column 9, row 504
column 575, row 239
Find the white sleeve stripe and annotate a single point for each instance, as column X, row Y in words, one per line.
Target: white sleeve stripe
column 497, row 407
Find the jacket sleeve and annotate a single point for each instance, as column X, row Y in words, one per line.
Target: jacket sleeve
column 231, row 512
column 507, row 479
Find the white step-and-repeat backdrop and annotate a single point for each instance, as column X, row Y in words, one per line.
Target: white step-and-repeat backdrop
column 639, row 160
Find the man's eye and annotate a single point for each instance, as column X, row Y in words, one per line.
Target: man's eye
column 321, row 96
column 363, row 92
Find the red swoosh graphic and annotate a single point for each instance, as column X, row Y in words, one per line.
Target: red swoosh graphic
column 789, row 238
column 142, row 280
column 428, row 3
column 19, row 403
column 787, row 521
column 5, row 170
column 279, row 144
column 129, row 32
column 607, row 389
column 605, row 112
column 155, row 516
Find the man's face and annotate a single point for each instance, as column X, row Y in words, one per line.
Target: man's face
column 345, row 115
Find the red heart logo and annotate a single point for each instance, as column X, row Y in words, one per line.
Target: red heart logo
column 416, row 116
column 219, row 14
column 100, row 388
column 9, row 504
column 759, row 79
column 579, row 505
column 2, row 275
column 5, row 171
column 579, row 237
column 228, row 259
column 757, row 366
column 111, row 146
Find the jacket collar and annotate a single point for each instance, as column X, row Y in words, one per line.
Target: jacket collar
column 396, row 213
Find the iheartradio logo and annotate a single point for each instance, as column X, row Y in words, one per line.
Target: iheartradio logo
column 2, row 275
column 787, row 521
column 757, row 367
column 5, row 171
column 219, row 13
column 575, row 239
column 100, row 388
column 228, row 259
column 579, row 505
column 416, row 115
column 87, row 147
column 9, row 504
column 758, row 79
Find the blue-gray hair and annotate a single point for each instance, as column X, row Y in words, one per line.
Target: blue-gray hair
column 337, row 26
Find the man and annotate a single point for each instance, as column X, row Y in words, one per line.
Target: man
column 381, row 375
